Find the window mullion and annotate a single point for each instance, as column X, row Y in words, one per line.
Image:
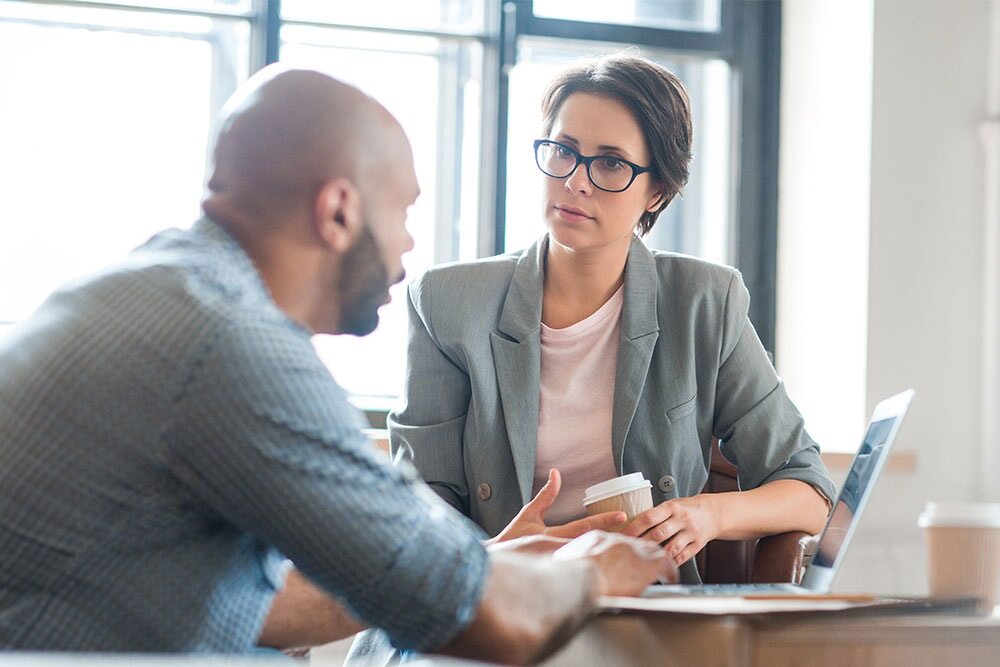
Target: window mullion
column 505, row 60
column 449, row 155
column 265, row 33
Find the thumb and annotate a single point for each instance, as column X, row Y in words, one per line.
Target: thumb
column 546, row 495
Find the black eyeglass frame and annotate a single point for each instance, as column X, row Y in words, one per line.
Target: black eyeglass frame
column 587, row 160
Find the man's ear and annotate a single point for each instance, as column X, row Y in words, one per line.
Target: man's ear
column 339, row 214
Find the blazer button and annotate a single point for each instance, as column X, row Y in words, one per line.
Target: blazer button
column 484, row 491
column 665, row 484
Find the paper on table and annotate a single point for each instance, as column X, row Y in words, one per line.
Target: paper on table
column 720, row 605
column 711, row 605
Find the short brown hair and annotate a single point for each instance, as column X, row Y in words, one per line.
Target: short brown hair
column 657, row 99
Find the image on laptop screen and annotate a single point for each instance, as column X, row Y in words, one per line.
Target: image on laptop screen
column 855, row 489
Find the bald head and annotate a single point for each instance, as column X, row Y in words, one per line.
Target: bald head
column 286, row 132
column 313, row 179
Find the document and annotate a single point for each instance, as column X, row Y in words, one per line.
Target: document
column 723, row 605
column 776, row 604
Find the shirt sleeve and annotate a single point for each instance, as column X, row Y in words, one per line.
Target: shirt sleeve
column 266, row 440
column 759, row 428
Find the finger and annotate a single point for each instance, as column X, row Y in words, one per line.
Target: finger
column 667, row 572
column 662, row 532
column 546, row 495
column 659, row 566
column 626, row 565
column 648, row 519
column 689, row 552
column 603, row 521
column 649, row 550
column 579, row 547
column 676, row 545
column 535, row 544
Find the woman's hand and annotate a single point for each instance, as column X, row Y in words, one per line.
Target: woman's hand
column 531, row 519
column 682, row 525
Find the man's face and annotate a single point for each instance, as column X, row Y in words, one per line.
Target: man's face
column 375, row 262
column 364, row 284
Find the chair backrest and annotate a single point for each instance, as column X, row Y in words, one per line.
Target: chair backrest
column 777, row 559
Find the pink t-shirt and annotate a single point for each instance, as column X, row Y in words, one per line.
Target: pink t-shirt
column 578, row 367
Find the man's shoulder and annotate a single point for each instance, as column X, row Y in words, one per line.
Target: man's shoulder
column 198, row 271
column 181, row 299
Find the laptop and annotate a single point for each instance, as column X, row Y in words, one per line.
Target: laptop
column 843, row 521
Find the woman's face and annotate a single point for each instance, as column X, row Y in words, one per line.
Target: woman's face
column 577, row 214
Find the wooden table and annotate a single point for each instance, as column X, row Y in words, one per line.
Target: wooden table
column 821, row 641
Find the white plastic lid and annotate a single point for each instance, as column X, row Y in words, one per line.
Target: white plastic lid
column 960, row 514
column 615, row 486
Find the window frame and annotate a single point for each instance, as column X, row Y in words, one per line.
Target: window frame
column 748, row 38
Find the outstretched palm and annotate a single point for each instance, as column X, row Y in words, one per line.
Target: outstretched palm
column 531, row 519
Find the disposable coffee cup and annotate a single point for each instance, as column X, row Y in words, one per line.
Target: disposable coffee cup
column 963, row 550
column 630, row 493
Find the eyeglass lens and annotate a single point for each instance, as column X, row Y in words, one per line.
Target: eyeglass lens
column 608, row 173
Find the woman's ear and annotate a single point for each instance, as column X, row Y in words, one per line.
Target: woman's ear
column 654, row 201
column 339, row 214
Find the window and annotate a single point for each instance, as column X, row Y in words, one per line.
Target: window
column 681, row 14
column 100, row 149
column 104, row 118
column 444, row 72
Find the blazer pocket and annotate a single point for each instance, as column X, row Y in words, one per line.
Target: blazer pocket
column 686, row 408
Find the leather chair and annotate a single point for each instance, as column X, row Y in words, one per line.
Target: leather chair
column 774, row 559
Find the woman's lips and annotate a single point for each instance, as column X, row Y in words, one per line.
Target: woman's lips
column 571, row 214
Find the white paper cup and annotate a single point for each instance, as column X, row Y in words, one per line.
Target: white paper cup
column 963, row 550
column 630, row 493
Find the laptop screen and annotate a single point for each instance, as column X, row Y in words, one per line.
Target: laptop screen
column 856, row 488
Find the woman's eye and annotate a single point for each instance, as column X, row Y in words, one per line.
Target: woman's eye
column 562, row 151
column 612, row 164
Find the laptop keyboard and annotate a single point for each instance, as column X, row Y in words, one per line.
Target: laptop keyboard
column 721, row 589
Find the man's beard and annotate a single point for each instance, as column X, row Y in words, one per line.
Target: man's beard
column 363, row 287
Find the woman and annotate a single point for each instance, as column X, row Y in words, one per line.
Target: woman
column 590, row 354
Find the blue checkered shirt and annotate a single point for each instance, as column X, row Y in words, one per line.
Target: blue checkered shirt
column 167, row 437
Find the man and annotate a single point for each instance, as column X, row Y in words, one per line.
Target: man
column 169, row 437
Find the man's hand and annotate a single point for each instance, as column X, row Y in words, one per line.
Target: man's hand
column 624, row 565
column 682, row 525
column 532, row 545
column 531, row 519
column 533, row 604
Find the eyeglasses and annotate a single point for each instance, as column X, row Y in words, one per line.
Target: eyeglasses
column 606, row 172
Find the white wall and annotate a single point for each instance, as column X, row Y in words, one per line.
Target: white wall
column 925, row 270
column 989, row 481
column 826, row 82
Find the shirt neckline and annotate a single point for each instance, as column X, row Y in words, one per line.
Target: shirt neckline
column 611, row 307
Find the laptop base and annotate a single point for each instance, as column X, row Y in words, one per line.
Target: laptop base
column 730, row 590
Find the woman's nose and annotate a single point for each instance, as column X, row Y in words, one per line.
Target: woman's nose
column 578, row 181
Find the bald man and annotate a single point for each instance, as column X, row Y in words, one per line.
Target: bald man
column 168, row 436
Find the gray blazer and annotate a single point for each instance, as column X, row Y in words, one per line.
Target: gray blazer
column 690, row 367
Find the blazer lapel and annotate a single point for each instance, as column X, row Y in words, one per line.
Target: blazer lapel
column 517, row 359
column 640, row 331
